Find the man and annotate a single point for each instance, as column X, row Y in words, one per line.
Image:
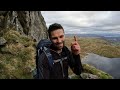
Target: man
column 62, row 56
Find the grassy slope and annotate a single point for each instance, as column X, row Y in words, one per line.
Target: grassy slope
column 17, row 57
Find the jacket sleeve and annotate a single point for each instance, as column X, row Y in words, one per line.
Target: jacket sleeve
column 77, row 67
column 75, row 63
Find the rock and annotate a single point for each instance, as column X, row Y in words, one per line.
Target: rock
column 89, row 76
column 2, row 41
column 84, row 76
column 30, row 23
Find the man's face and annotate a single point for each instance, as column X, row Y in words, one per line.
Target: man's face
column 57, row 37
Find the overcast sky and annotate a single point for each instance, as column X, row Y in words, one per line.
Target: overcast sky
column 85, row 22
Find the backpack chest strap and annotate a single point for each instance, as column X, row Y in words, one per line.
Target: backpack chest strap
column 58, row 60
column 61, row 63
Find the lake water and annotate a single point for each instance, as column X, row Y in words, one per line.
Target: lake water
column 109, row 65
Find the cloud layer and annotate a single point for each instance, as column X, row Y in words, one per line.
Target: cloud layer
column 82, row 22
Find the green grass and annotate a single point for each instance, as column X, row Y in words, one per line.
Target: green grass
column 17, row 56
column 99, row 73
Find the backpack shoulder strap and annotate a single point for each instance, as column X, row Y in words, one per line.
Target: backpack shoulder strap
column 49, row 56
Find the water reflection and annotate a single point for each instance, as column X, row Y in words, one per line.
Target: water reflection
column 109, row 65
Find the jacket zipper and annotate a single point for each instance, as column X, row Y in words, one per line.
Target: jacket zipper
column 61, row 63
column 62, row 66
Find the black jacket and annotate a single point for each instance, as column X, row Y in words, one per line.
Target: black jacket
column 58, row 71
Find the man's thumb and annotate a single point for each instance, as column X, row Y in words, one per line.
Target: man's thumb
column 75, row 38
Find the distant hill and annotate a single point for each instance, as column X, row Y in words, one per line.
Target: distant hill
column 83, row 35
column 95, row 35
column 112, row 38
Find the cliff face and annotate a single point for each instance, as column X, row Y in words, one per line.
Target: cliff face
column 30, row 23
column 19, row 31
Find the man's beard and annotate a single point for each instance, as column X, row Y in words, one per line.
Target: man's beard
column 57, row 47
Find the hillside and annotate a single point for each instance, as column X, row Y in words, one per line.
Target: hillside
column 96, row 45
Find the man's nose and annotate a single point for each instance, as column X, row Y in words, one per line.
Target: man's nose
column 59, row 40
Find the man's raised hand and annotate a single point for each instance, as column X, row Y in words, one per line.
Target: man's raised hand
column 75, row 47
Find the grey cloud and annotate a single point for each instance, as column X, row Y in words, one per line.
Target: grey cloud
column 85, row 21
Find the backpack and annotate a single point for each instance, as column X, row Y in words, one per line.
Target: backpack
column 43, row 46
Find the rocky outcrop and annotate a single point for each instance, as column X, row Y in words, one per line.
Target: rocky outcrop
column 30, row 23
column 84, row 76
column 19, row 31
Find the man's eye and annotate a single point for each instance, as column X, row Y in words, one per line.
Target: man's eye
column 54, row 38
column 61, row 36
